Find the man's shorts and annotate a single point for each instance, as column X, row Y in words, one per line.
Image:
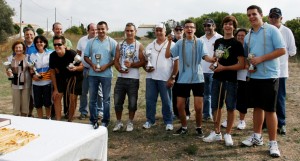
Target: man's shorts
column 185, row 89
column 223, row 91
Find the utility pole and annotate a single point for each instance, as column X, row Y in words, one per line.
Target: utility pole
column 47, row 28
column 55, row 15
column 21, row 19
column 71, row 21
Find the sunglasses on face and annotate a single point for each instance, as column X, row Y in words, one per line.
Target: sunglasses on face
column 274, row 16
column 58, row 44
column 252, row 14
column 206, row 25
column 178, row 29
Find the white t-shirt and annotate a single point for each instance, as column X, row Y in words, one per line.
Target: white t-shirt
column 291, row 50
column 210, row 47
column 134, row 47
column 163, row 66
column 81, row 46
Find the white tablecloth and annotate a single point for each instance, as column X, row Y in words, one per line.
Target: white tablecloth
column 58, row 141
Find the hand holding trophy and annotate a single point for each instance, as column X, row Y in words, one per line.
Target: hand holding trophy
column 172, row 25
column 252, row 68
column 7, row 66
column 32, row 67
column 77, row 59
column 147, row 55
column 98, row 58
column 218, row 54
column 129, row 55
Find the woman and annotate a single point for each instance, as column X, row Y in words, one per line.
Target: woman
column 41, row 76
column 21, row 81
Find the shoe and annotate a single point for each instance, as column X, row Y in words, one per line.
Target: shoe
column 253, row 140
column 282, row 130
column 274, row 151
column 96, row 125
column 181, row 131
column 129, row 126
column 228, row 140
column 199, row 132
column 118, row 126
column 224, row 124
column 147, row 125
column 212, row 137
column 104, row 124
column 169, row 127
column 82, row 117
column 187, row 117
column 241, row 125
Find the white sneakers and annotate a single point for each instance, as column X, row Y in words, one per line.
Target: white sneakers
column 119, row 126
column 273, row 147
column 241, row 125
column 228, row 140
column 169, row 127
column 148, row 125
column 212, row 137
column 253, row 140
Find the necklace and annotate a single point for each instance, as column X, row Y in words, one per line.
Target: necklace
column 161, row 46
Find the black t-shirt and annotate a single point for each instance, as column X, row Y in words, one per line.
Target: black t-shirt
column 235, row 49
column 60, row 64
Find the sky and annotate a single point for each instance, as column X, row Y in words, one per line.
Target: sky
column 119, row 12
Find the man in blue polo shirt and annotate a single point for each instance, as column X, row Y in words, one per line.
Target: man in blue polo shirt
column 267, row 44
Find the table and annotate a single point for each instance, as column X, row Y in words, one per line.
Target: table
column 58, row 141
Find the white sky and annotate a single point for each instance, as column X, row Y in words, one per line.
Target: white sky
column 118, row 12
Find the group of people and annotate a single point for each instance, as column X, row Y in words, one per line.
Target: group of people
column 239, row 69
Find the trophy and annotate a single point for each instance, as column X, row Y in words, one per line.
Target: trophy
column 172, row 25
column 32, row 66
column 218, row 54
column 129, row 55
column 147, row 55
column 252, row 68
column 7, row 65
column 77, row 59
column 98, row 58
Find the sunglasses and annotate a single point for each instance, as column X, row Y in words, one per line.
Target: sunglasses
column 59, row 44
column 274, row 16
column 206, row 25
column 39, row 42
column 178, row 29
column 252, row 14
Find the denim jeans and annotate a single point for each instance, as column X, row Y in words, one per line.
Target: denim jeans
column 207, row 110
column 153, row 88
column 125, row 86
column 280, row 107
column 83, row 98
column 94, row 82
column 223, row 91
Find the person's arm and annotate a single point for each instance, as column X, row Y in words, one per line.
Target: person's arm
column 171, row 80
column 272, row 55
column 53, row 79
column 209, row 59
column 168, row 50
column 79, row 52
column 238, row 66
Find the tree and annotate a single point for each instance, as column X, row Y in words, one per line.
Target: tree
column 83, row 30
column 16, row 28
column 74, row 30
column 294, row 25
column 40, row 31
column 6, row 23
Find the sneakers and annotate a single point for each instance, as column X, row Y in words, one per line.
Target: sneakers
column 181, row 131
column 224, row 124
column 228, row 140
column 241, row 125
column 148, row 125
column 104, row 124
column 169, row 127
column 129, row 126
column 199, row 132
column 96, row 125
column 274, row 151
column 187, row 117
column 282, row 130
column 118, row 126
column 213, row 137
column 253, row 140
column 82, row 117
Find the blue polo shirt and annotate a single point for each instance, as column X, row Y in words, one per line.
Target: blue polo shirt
column 272, row 38
column 190, row 69
column 30, row 49
column 107, row 50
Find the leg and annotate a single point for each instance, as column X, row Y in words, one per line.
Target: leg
column 271, row 120
column 106, row 89
column 93, row 90
column 181, row 111
column 132, row 93
column 85, row 89
column 198, row 104
column 151, row 99
column 100, row 100
column 230, row 120
column 280, row 106
column 58, row 105
column 258, row 118
column 119, row 97
column 165, row 95
column 25, row 99
column 174, row 99
column 207, row 111
column 72, row 106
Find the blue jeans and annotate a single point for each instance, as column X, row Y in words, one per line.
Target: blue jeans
column 207, row 110
column 94, row 82
column 280, row 107
column 85, row 89
column 153, row 88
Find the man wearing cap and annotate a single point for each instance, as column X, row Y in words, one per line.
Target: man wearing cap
column 266, row 43
column 275, row 18
column 209, row 40
column 179, row 35
column 190, row 51
column 160, row 78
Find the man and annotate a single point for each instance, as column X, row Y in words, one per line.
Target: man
column 209, row 40
column 179, row 35
column 190, row 51
column 92, row 33
column 99, row 54
column 275, row 18
column 65, row 79
column 266, row 43
column 129, row 58
column 160, row 78
column 57, row 30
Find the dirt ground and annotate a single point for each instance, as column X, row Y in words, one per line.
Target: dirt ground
column 158, row 144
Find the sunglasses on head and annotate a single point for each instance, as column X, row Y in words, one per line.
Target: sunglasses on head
column 58, row 44
column 178, row 29
column 207, row 25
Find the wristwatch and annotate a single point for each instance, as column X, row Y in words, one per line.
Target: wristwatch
column 173, row 76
